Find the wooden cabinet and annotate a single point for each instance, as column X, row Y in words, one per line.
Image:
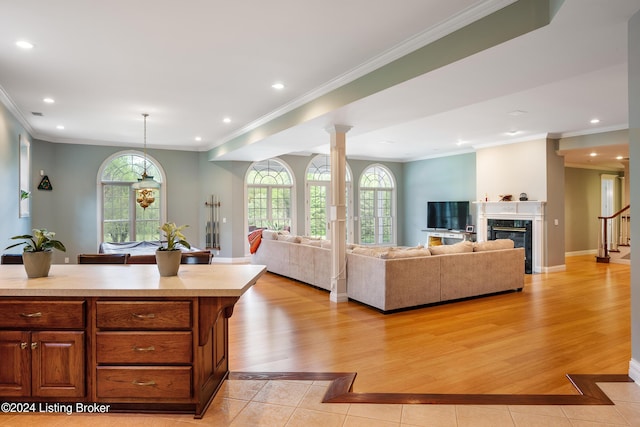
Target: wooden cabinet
column 163, row 354
column 117, row 335
column 36, row 361
column 137, row 359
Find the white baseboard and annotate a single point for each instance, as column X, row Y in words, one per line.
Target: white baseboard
column 554, row 268
column 634, row 371
column 580, row 253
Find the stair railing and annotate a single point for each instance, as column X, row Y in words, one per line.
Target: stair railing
column 613, row 222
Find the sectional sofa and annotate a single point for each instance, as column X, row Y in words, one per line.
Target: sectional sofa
column 394, row 279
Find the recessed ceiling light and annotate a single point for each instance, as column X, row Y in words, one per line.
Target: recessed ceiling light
column 48, row 100
column 198, row 138
column 23, row 44
column 278, row 86
column 227, row 120
column 516, row 113
column 387, row 142
column 61, row 127
column 595, row 121
column 619, row 157
column 593, row 154
column 513, row 132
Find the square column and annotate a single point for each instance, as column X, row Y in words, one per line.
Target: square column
column 338, row 213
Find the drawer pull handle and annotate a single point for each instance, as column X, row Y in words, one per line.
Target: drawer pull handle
column 31, row 315
column 143, row 383
column 150, row 348
column 23, row 345
column 34, row 345
column 144, row 316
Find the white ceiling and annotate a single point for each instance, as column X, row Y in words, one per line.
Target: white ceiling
column 190, row 64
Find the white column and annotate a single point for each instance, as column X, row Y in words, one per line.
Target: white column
column 338, row 213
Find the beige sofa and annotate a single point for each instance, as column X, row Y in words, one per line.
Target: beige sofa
column 393, row 279
column 310, row 264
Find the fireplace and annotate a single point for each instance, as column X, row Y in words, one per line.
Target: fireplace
column 518, row 230
column 521, row 221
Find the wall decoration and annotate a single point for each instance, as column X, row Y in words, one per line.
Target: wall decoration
column 24, row 189
column 45, row 184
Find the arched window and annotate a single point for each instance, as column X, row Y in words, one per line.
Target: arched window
column 121, row 218
column 269, row 195
column 377, row 206
column 318, row 198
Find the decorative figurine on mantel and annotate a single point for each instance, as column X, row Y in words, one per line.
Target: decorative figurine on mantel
column 505, row 197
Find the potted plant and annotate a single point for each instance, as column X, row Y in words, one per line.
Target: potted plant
column 36, row 255
column 168, row 258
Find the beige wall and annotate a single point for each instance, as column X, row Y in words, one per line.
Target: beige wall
column 512, row 169
column 531, row 167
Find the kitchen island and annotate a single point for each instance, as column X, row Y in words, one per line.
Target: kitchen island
column 119, row 335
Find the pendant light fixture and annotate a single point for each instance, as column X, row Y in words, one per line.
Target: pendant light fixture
column 146, row 185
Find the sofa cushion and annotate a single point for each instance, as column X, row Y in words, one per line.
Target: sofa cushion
column 493, row 245
column 289, row 238
column 269, row 235
column 457, row 248
column 395, row 253
column 373, row 251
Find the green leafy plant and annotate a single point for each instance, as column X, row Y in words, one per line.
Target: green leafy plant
column 174, row 236
column 41, row 240
column 24, row 195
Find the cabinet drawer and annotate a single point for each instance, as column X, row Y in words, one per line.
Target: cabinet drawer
column 42, row 314
column 143, row 314
column 144, row 383
column 144, row 347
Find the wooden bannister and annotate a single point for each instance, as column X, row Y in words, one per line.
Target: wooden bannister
column 603, row 249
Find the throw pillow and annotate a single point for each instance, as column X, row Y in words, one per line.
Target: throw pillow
column 492, row 245
column 395, row 253
column 457, row 248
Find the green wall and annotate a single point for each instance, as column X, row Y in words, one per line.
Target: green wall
column 10, row 224
column 582, row 208
column 444, row 178
column 70, row 209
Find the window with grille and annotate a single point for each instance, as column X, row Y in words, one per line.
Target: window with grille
column 318, row 198
column 123, row 220
column 377, row 206
column 269, row 195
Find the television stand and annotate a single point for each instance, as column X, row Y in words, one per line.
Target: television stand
column 446, row 236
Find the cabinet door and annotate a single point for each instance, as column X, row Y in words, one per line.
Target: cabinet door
column 15, row 363
column 58, row 364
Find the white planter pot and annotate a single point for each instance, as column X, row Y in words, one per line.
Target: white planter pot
column 37, row 264
column 168, row 262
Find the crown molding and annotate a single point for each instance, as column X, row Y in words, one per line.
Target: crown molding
column 15, row 111
column 456, row 22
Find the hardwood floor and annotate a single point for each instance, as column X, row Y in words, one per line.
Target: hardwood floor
column 572, row 322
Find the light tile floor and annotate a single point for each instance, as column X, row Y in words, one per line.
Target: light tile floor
column 254, row 403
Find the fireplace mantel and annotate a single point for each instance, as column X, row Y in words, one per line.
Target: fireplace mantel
column 532, row 210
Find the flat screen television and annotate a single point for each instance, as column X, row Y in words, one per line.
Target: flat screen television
column 447, row 215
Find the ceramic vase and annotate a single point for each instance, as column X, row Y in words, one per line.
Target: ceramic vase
column 37, row 264
column 168, row 262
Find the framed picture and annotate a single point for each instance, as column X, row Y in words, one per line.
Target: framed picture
column 470, row 229
column 24, row 189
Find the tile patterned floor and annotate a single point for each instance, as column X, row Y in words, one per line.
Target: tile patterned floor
column 254, row 403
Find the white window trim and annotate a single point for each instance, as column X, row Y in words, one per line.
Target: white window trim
column 394, row 202
column 293, row 198
column 307, row 200
column 163, row 187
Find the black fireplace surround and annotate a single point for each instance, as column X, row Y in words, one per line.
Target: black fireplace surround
column 518, row 230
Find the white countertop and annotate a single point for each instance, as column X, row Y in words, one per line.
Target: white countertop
column 132, row 280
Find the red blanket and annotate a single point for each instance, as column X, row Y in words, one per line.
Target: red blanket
column 255, row 237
